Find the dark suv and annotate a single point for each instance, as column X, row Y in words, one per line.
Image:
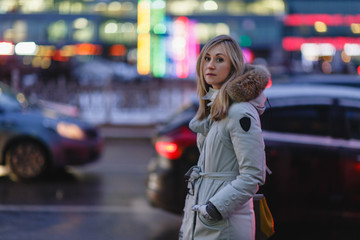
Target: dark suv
column 312, row 137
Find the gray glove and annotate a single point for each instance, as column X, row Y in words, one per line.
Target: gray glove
column 208, row 211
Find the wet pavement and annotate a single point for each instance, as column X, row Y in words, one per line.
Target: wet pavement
column 105, row 200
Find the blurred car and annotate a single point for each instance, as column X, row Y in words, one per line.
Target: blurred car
column 35, row 140
column 175, row 145
column 329, row 79
column 312, row 137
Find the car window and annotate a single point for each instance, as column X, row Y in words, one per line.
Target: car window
column 310, row 119
column 353, row 118
column 181, row 117
column 183, row 113
column 9, row 102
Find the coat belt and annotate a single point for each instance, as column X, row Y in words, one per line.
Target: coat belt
column 195, row 173
column 219, row 175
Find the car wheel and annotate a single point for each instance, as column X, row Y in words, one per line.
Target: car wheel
column 26, row 160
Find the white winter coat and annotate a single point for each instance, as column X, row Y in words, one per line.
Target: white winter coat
column 230, row 169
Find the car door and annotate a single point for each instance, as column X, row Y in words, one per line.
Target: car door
column 350, row 155
column 302, row 153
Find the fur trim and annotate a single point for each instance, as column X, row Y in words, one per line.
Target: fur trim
column 250, row 84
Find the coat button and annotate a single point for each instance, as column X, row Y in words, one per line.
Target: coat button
column 227, row 202
column 233, row 197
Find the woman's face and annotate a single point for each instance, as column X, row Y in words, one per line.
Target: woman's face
column 216, row 66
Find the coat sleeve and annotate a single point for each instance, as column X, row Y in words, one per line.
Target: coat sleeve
column 246, row 136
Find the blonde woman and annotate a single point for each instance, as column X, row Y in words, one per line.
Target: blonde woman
column 232, row 163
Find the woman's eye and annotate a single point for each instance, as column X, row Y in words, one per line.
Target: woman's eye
column 220, row 60
column 207, row 59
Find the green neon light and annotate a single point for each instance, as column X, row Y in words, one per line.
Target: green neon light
column 245, row 41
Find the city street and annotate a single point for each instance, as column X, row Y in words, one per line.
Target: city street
column 136, row 72
column 105, row 200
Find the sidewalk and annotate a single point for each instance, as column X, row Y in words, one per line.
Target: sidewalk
column 127, row 131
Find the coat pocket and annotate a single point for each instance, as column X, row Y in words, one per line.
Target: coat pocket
column 213, row 224
column 206, row 229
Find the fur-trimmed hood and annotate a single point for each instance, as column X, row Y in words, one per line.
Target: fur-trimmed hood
column 250, row 84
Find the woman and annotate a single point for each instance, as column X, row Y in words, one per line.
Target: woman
column 232, row 163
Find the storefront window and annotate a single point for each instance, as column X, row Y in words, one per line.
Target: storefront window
column 84, row 30
column 57, row 31
column 115, row 32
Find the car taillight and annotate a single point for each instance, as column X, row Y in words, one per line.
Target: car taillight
column 357, row 167
column 168, row 149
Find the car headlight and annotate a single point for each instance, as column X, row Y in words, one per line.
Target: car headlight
column 70, row 130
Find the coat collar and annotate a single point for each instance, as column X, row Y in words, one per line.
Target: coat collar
column 211, row 95
column 249, row 85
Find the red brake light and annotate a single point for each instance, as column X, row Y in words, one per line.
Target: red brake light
column 174, row 143
column 357, row 167
column 168, row 149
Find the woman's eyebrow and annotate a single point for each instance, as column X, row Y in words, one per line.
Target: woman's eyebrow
column 217, row 54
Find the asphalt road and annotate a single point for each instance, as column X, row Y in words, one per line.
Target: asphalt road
column 104, row 200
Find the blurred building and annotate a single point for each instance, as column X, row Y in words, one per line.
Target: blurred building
column 322, row 36
column 163, row 37
column 257, row 25
column 66, row 29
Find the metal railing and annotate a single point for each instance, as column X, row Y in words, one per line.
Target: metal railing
column 117, row 102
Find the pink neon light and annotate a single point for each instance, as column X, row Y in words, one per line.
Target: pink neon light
column 328, row 19
column 194, row 48
column 248, row 55
column 181, row 26
column 269, row 83
column 294, row 43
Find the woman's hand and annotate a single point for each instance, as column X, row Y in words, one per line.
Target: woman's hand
column 208, row 211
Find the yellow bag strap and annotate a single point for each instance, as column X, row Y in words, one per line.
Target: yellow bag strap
column 266, row 219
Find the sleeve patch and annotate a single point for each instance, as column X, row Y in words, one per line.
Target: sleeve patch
column 245, row 123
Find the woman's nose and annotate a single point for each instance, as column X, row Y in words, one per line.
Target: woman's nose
column 211, row 64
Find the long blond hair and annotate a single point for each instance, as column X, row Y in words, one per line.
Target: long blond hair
column 221, row 104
